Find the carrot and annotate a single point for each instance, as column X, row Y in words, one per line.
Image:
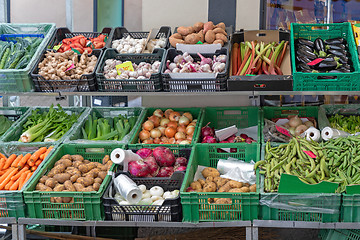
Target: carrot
column 48, row 151
column 234, row 58
column 36, row 155
column 7, row 172
column 7, row 179
column 7, row 187
column 2, row 156
column 2, row 172
column 26, row 179
column 24, row 169
column 15, row 185
column 37, row 163
column 33, row 168
column 23, row 161
column 22, row 179
column 2, row 163
column 9, row 161
column 16, row 161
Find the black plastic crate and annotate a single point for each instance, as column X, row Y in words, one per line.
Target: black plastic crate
column 62, row 33
column 182, row 84
column 260, row 82
column 130, row 85
column 169, row 211
column 121, row 32
column 86, row 83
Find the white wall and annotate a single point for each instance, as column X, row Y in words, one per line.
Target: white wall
column 83, row 12
column 247, row 14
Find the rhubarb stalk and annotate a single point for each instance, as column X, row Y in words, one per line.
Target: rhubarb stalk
column 274, row 58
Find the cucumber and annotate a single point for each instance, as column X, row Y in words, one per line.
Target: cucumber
column 23, row 62
column 4, row 58
column 17, row 58
column 35, row 45
column 3, row 48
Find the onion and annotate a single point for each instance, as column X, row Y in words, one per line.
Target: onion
column 207, row 131
column 179, row 141
column 188, row 115
column 156, row 191
column 184, row 121
column 208, row 139
column 162, row 130
column 172, row 124
column 295, row 121
column 157, row 141
column 180, row 135
column 172, row 140
column 148, row 141
column 190, row 130
column 286, row 125
column 142, row 188
column 170, row 132
column 164, row 139
column 186, row 142
column 181, row 129
column 174, row 116
column 300, row 129
column 155, row 120
column 155, row 133
column 148, row 125
column 292, row 131
column 164, row 122
column 146, row 194
column 144, row 134
column 158, row 112
column 309, row 124
column 192, row 124
column 167, row 112
column 189, row 137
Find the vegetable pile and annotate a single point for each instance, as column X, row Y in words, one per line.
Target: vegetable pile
column 5, row 124
column 81, row 44
column 48, row 126
column 333, row 161
column 18, row 55
column 169, row 127
column 214, row 183
column 200, row 32
column 296, row 126
column 72, row 173
column 16, row 170
column 116, row 128
column 129, row 45
column 350, row 124
column 155, row 43
column 142, row 70
column 154, row 196
column 160, row 162
column 258, row 58
column 186, row 64
column 66, row 65
column 323, row 56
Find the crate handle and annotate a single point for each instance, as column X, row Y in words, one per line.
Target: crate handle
column 320, row 28
column 288, row 111
column 260, row 85
column 233, row 112
column 327, row 78
column 94, row 150
column 260, row 34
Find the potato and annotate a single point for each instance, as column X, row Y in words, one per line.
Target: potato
column 201, row 181
column 221, row 182
column 59, row 188
column 89, row 189
column 221, row 25
column 225, row 188
column 220, row 30
column 177, row 36
column 252, row 188
column 103, row 168
column 98, row 180
column 246, row 185
column 220, row 36
column 65, row 161
column 209, row 179
column 86, row 181
column 209, row 171
column 84, row 168
column 77, row 158
column 67, row 156
column 56, row 170
column 56, row 199
column 210, row 36
column 102, row 175
column 67, row 199
column 235, row 184
column 209, row 187
column 43, row 179
column 62, row 177
column 93, row 173
column 79, row 187
column 96, row 186
column 106, row 159
column 69, row 186
column 50, row 182
column 196, row 186
column 219, row 41
column 174, row 41
column 201, row 36
column 73, row 171
column 39, row 186
column 185, row 30
column 198, row 26
column 244, row 189
column 73, row 178
column 76, row 164
column 223, row 201
column 86, row 161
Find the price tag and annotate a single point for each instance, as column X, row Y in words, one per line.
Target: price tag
column 57, row 47
column 97, row 102
column 310, row 154
column 316, row 61
column 199, row 42
column 126, row 66
column 283, row 131
column 71, row 67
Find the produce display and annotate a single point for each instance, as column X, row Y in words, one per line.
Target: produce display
column 81, row 44
column 116, row 128
column 143, row 70
column 66, row 65
column 16, row 170
column 204, row 33
column 18, row 55
column 160, row 162
column 214, row 183
column 48, row 126
column 322, row 56
column 185, row 63
column 5, row 124
column 258, row 58
column 332, row 161
column 153, row 196
column 350, row 124
column 155, row 43
column 169, row 127
column 72, row 173
column 129, row 45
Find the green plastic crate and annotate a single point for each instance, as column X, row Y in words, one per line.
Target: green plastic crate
column 342, row 234
column 19, row 80
column 331, row 201
column 87, row 205
column 196, row 207
column 223, row 117
column 14, row 114
column 14, row 134
column 350, row 208
column 76, row 135
column 12, row 202
column 197, row 114
column 283, row 112
column 313, row 81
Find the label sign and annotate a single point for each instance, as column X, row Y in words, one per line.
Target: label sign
column 56, row 47
column 310, row 154
column 316, row 61
column 126, row 66
column 71, row 67
column 283, row 131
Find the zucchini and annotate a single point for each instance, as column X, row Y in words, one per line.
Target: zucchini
column 35, row 45
column 3, row 49
column 4, row 58
column 17, row 57
column 23, row 62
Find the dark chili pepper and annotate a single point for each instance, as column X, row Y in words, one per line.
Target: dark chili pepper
column 335, row 41
column 340, row 53
column 320, row 47
column 307, row 71
column 302, row 59
column 341, row 59
column 306, row 42
column 305, row 47
column 304, row 66
column 303, row 52
column 327, row 65
column 346, row 66
column 336, row 46
column 340, row 70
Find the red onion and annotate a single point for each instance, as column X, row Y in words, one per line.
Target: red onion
column 189, row 189
column 224, row 141
column 244, row 136
column 138, row 168
column 181, row 161
column 164, row 156
column 180, row 168
column 231, row 139
column 208, row 139
column 207, row 131
column 165, row 172
column 153, row 166
column 144, row 152
column 249, row 140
